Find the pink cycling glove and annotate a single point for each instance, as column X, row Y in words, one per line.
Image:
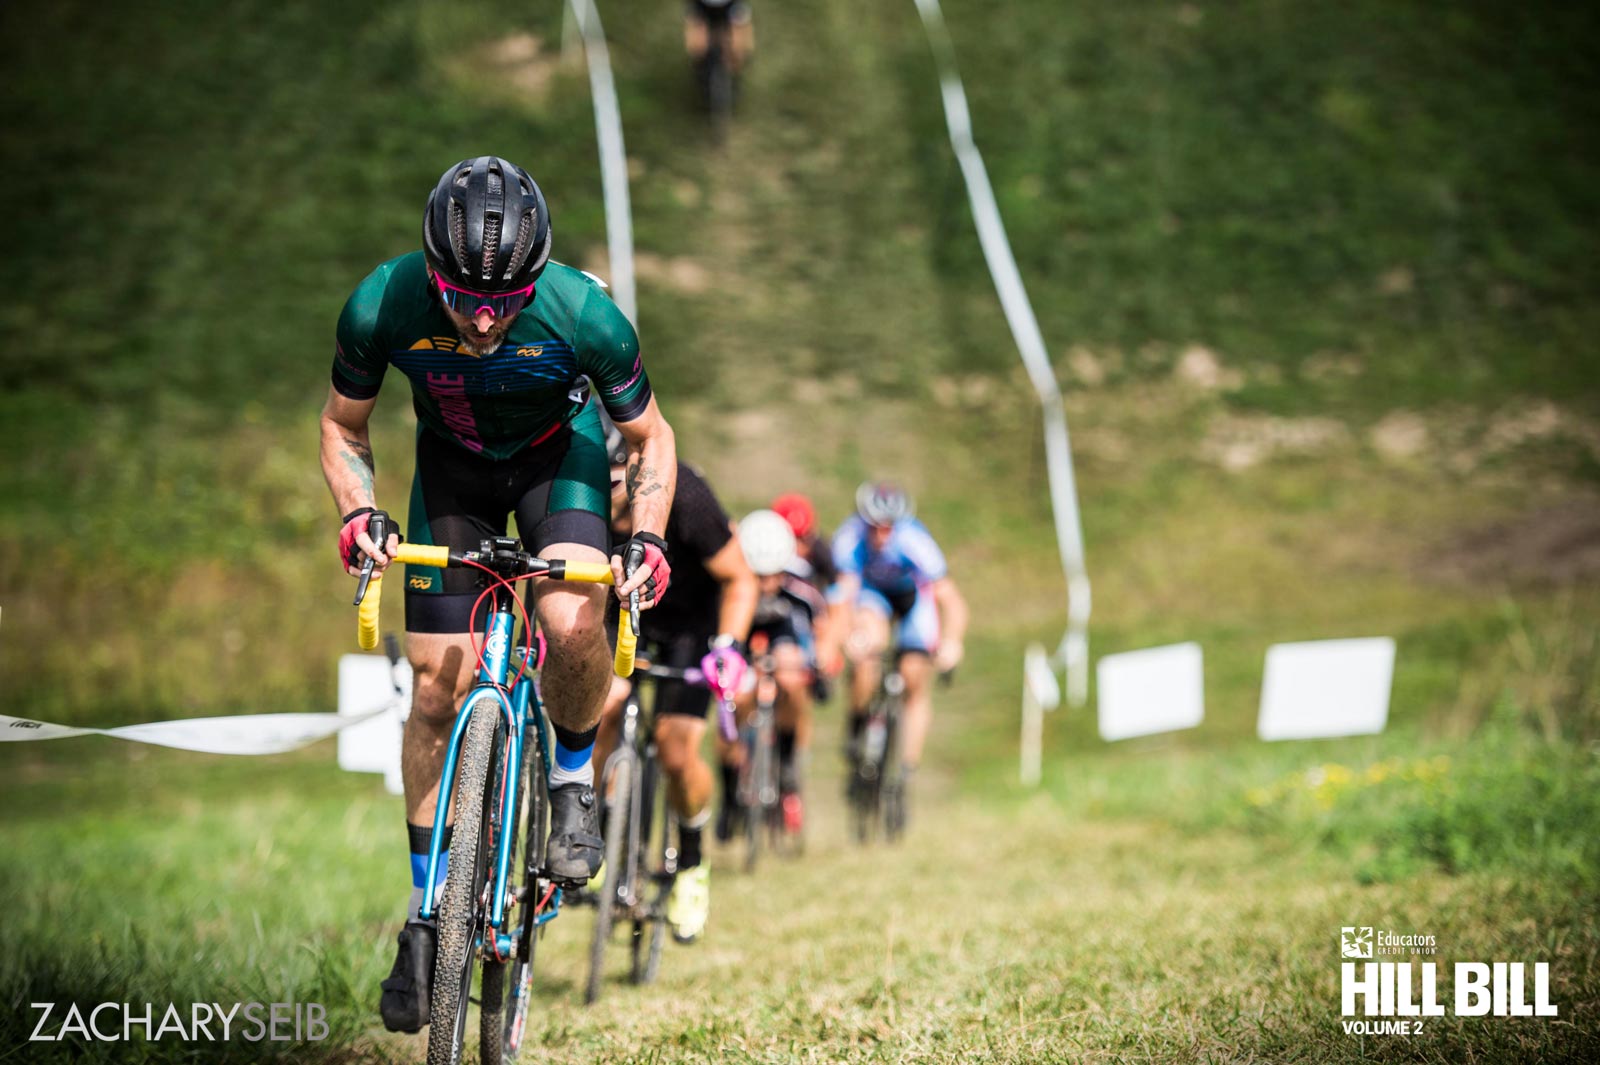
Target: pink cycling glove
column 648, row 552
column 356, row 523
column 724, row 669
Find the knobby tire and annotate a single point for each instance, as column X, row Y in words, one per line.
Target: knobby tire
column 616, row 833
column 458, row 916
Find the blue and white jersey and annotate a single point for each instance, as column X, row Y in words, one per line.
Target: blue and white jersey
column 911, row 559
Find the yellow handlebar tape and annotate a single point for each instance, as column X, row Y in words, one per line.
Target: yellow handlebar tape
column 423, row 555
column 588, row 572
column 627, row 643
column 367, row 614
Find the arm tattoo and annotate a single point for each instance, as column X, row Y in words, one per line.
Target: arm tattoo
column 362, row 450
column 638, row 476
column 357, row 455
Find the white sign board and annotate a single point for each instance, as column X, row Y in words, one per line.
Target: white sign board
column 1160, row 689
column 1326, row 688
column 367, row 683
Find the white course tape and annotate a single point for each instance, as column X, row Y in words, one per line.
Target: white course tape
column 244, row 734
column 1073, row 652
column 613, row 159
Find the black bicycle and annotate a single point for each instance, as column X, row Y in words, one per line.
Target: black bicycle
column 713, row 70
column 760, row 793
column 877, row 782
column 641, row 861
column 877, row 787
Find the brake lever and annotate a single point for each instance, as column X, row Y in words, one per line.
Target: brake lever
column 378, row 530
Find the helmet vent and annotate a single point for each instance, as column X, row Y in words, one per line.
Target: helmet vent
column 491, row 244
column 458, row 231
column 524, row 237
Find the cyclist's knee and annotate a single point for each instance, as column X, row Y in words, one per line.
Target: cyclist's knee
column 616, row 696
column 441, row 675
column 678, row 742
column 573, row 614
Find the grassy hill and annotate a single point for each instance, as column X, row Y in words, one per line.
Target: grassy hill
column 1320, row 285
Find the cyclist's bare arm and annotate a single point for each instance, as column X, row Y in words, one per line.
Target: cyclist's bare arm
column 347, row 459
column 841, row 607
column 651, row 478
column 952, row 622
column 740, row 589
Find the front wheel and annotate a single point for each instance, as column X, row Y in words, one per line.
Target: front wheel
column 536, row 802
column 894, row 780
column 461, row 913
column 616, row 875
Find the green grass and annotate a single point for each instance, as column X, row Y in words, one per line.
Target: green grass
column 1256, row 236
column 1143, row 906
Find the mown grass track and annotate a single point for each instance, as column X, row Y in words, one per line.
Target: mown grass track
column 1008, row 927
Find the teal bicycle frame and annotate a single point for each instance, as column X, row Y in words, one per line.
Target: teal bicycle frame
column 523, row 710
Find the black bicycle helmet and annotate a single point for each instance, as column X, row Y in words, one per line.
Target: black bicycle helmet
column 486, row 226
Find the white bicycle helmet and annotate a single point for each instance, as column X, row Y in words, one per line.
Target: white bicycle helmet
column 881, row 503
column 767, row 540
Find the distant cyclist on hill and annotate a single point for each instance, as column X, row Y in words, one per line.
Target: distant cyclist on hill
column 496, row 341
column 893, row 592
column 732, row 18
column 713, row 598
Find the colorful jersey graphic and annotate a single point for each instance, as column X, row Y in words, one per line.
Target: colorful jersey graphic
column 910, row 560
column 493, row 405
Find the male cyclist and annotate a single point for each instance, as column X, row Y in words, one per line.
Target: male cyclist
column 790, row 614
column 713, row 598
column 730, row 18
column 893, row 586
column 496, row 340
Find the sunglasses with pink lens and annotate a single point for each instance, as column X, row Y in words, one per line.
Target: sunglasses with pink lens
column 465, row 301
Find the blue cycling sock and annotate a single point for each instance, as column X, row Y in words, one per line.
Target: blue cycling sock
column 574, row 751
column 419, row 837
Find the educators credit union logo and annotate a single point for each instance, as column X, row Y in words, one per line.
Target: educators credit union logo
column 1355, row 941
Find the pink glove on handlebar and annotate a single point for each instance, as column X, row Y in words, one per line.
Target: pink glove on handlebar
column 356, row 523
column 724, row 669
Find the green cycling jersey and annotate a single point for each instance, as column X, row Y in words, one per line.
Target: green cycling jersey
column 516, row 397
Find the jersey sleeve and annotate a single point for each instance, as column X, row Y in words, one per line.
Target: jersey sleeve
column 699, row 525
column 847, row 549
column 608, row 352
column 359, row 355
column 923, row 552
column 822, row 562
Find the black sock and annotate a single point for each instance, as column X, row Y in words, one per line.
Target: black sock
column 730, row 783
column 419, row 836
column 858, row 722
column 688, row 846
column 786, row 747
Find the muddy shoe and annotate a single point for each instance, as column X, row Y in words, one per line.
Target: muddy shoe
column 576, row 849
column 406, row 993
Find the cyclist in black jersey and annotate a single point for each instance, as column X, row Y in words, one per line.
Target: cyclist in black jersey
column 713, row 599
column 499, row 344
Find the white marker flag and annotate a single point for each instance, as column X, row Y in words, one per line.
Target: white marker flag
column 240, row 734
